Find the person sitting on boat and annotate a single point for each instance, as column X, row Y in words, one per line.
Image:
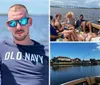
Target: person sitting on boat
column 54, row 35
column 81, row 23
column 70, row 25
column 84, row 24
column 61, row 28
column 70, row 21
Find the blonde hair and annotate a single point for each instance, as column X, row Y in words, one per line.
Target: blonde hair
column 69, row 14
column 16, row 7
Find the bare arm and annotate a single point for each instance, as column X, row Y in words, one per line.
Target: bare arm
column 55, row 37
column 60, row 28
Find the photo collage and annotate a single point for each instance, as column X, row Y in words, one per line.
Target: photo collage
column 50, row 42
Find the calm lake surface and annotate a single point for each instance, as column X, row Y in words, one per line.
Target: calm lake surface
column 62, row 74
column 89, row 14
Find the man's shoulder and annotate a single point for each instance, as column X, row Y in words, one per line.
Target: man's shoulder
column 36, row 43
column 78, row 20
column 41, row 46
column 84, row 20
column 6, row 42
column 2, row 46
column 2, row 42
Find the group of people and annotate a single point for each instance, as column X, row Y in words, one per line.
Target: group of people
column 70, row 29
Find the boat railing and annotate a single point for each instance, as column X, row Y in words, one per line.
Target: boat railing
column 84, row 81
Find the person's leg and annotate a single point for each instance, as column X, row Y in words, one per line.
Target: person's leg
column 83, row 25
column 90, row 36
column 94, row 35
column 71, row 28
column 89, row 25
column 73, row 35
column 67, row 35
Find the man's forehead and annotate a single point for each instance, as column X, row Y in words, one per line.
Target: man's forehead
column 19, row 12
column 15, row 8
column 13, row 13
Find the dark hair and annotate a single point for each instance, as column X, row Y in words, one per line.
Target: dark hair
column 51, row 17
column 58, row 15
column 81, row 15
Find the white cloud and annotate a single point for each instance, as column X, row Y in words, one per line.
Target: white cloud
column 97, row 47
column 57, row 2
column 90, row 1
column 84, row 3
column 98, row 44
column 94, row 50
column 99, row 4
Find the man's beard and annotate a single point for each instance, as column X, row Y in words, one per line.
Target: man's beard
column 20, row 38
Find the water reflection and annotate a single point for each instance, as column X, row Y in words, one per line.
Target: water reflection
column 63, row 73
column 60, row 67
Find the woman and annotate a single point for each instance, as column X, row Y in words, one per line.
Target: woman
column 60, row 28
column 70, row 21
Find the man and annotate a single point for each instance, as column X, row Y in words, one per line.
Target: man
column 23, row 61
column 84, row 24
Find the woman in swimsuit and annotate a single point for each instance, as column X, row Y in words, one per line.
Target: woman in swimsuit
column 60, row 28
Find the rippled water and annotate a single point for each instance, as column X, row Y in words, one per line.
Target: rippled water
column 89, row 14
column 62, row 74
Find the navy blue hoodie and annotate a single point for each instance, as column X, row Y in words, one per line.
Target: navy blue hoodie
column 22, row 64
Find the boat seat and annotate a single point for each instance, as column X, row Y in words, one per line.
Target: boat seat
column 92, row 80
column 60, row 39
column 88, row 80
column 97, row 79
column 95, row 39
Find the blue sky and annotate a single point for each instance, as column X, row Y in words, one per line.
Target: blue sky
column 82, row 3
column 76, row 50
column 33, row 6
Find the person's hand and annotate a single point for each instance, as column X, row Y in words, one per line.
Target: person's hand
column 60, row 35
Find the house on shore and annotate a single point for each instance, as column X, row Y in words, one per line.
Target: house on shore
column 61, row 60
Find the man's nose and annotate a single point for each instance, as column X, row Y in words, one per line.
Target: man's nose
column 18, row 26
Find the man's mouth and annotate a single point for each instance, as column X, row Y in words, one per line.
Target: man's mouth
column 19, row 32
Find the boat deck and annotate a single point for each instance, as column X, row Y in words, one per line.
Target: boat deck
column 84, row 81
column 97, row 26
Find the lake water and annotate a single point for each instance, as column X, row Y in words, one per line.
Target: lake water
column 89, row 14
column 38, row 31
column 62, row 74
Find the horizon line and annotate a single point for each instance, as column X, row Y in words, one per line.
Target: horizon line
column 66, row 6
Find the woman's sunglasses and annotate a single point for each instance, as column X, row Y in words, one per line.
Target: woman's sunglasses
column 22, row 22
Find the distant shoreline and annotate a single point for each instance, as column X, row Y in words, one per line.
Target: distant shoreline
column 29, row 14
column 3, row 14
column 72, row 7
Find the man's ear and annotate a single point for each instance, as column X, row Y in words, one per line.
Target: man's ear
column 7, row 25
column 30, row 21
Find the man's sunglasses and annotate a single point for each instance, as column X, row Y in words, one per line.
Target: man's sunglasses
column 22, row 22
